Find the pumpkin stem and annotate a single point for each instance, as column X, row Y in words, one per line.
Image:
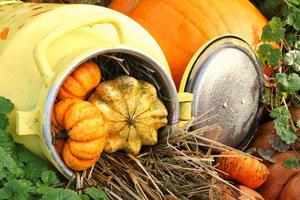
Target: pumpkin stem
column 60, row 136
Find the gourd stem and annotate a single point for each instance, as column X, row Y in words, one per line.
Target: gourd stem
column 60, row 136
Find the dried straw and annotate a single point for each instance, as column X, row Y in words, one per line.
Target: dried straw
column 179, row 166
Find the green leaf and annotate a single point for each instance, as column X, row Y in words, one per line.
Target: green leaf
column 8, row 166
column 266, row 97
column 278, row 144
column 293, row 18
column 288, row 83
column 292, row 58
column 268, row 7
column 32, row 165
column 290, row 38
column 282, row 125
column 291, row 163
column 297, row 45
column 293, row 3
column 266, row 154
column 49, row 178
column 274, row 31
column 269, row 55
column 3, row 121
column 84, row 197
column 16, row 190
column 298, row 123
column 61, row 194
column 7, row 142
column 96, row 193
column 5, row 106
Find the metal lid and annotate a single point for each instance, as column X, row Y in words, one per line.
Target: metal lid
column 225, row 78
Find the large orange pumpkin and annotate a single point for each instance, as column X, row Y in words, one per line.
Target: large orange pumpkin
column 181, row 27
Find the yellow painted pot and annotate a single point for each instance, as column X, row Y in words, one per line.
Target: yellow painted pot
column 41, row 44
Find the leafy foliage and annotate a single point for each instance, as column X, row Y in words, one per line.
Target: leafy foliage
column 25, row 176
column 269, row 55
column 96, row 194
column 288, row 83
column 280, row 49
column 291, row 163
column 293, row 19
column 274, row 31
column 282, row 125
column 292, row 58
column 5, row 105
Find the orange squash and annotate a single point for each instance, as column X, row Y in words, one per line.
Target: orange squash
column 85, row 78
column 291, row 190
column 233, row 194
column 279, row 176
column 182, row 27
column 243, row 169
column 86, row 131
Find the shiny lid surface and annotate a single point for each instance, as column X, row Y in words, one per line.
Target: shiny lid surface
column 225, row 78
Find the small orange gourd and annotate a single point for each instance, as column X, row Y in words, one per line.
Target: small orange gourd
column 56, row 129
column 243, row 169
column 84, row 79
column 86, row 132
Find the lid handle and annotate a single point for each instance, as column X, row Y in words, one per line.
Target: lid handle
column 185, row 107
column 39, row 51
column 27, row 122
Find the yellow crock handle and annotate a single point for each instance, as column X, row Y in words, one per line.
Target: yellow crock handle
column 39, row 51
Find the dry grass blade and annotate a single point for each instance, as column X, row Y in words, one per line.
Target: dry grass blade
column 177, row 167
column 168, row 170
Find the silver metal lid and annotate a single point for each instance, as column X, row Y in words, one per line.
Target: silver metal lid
column 227, row 84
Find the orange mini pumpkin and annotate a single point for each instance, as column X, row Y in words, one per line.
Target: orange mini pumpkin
column 243, row 169
column 86, row 132
column 85, row 78
column 181, row 27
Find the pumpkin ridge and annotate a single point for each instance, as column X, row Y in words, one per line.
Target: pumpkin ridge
column 62, row 120
column 75, row 163
column 152, row 141
column 185, row 19
column 93, row 75
column 227, row 23
column 132, row 6
column 113, row 104
column 162, row 123
column 88, row 154
column 79, row 81
column 112, row 108
column 75, row 117
column 208, row 19
column 96, row 75
column 175, row 42
column 69, row 93
column 81, row 121
column 72, row 86
column 222, row 19
column 66, row 90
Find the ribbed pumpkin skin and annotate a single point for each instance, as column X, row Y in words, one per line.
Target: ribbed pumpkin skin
column 85, row 78
column 181, row 27
column 85, row 127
